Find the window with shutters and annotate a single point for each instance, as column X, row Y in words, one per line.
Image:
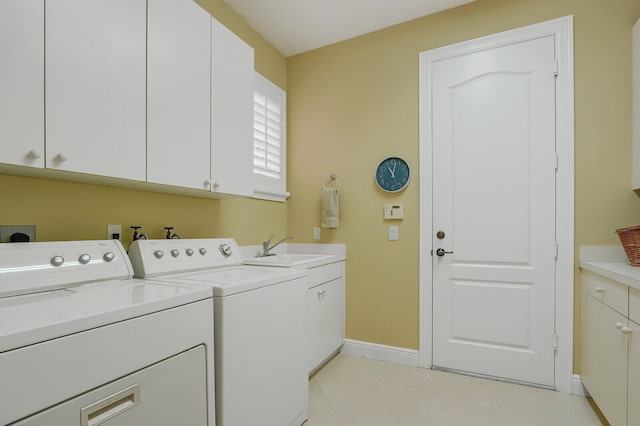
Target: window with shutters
column 269, row 140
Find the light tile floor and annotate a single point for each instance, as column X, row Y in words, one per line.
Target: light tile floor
column 353, row 391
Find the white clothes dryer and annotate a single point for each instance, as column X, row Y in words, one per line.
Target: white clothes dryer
column 81, row 343
column 260, row 343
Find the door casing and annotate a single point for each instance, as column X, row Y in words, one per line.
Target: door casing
column 562, row 30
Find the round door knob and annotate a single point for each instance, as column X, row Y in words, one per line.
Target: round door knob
column 189, row 252
column 84, row 259
column 207, row 184
column 158, row 254
column 216, row 185
column 441, row 252
column 61, row 158
column 225, row 249
column 626, row 330
column 619, row 325
column 203, row 251
column 175, row 252
column 108, row 256
column 599, row 290
column 57, row 260
column 440, row 235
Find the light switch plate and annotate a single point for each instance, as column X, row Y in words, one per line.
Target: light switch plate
column 393, row 233
column 6, row 231
column 316, row 233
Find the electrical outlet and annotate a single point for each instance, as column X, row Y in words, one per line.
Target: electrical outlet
column 316, row 233
column 114, row 232
column 7, row 231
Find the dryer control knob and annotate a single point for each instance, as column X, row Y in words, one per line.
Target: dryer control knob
column 57, row 260
column 84, row 259
column 225, row 249
column 175, row 252
column 108, row 256
column 203, row 251
column 189, row 252
column 158, row 254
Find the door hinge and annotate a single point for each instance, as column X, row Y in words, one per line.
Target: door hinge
column 555, row 68
column 555, row 342
column 555, row 249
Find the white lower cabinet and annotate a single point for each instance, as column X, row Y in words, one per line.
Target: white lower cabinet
column 325, row 318
column 610, row 351
column 634, row 358
column 95, row 73
column 22, row 82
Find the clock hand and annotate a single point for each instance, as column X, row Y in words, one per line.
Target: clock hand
column 394, row 167
column 391, row 171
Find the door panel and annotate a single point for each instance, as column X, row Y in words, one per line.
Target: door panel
column 494, row 196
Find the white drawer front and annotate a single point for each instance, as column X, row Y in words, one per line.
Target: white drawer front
column 325, row 273
column 609, row 292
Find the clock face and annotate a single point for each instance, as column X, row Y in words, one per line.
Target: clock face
column 393, row 174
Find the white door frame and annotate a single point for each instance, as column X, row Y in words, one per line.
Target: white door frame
column 562, row 29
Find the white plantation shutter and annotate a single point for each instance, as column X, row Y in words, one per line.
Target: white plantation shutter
column 269, row 142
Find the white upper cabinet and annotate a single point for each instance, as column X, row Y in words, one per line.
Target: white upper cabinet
column 95, row 87
column 22, row 82
column 232, row 77
column 178, row 95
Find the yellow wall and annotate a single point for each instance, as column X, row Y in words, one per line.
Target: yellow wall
column 73, row 211
column 353, row 103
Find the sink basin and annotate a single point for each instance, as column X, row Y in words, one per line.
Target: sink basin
column 292, row 260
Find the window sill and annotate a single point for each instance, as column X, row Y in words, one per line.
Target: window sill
column 265, row 194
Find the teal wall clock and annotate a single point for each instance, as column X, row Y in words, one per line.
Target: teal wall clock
column 393, row 174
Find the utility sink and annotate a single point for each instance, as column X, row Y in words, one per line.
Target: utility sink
column 294, row 260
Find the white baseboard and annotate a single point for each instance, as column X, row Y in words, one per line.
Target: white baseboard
column 381, row 352
column 578, row 388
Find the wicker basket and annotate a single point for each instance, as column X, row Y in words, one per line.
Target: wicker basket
column 630, row 239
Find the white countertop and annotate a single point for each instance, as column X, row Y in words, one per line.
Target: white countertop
column 610, row 262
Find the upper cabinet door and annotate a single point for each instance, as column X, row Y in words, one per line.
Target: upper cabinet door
column 22, row 82
column 178, row 95
column 232, row 77
column 95, row 86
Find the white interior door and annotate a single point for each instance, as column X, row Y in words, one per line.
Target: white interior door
column 494, row 171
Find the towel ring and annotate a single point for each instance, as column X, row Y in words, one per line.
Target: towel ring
column 331, row 178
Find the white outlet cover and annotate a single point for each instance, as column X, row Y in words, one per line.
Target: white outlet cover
column 393, row 233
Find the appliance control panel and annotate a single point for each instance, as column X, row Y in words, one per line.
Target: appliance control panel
column 159, row 257
column 35, row 267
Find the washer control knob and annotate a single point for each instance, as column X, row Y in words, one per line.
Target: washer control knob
column 108, row 256
column 57, row 260
column 175, row 252
column 158, row 254
column 189, row 252
column 203, row 251
column 225, row 249
column 84, row 259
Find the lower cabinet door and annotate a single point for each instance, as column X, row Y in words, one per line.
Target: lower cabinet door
column 604, row 359
column 634, row 375
column 326, row 321
column 168, row 393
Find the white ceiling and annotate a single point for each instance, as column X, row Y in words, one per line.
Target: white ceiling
column 296, row 26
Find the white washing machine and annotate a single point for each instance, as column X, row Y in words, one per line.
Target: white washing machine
column 260, row 342
column 81, row 343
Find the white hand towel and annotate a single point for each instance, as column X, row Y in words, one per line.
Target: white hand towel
column 330, row 207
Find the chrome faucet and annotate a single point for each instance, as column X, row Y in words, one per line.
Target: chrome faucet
column 266, row 247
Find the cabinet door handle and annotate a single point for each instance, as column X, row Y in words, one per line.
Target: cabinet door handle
column 619, row 325
column 626, row 330
column 61, row 158
column 599, row 290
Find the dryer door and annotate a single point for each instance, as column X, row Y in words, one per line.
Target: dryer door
column 168, row 393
